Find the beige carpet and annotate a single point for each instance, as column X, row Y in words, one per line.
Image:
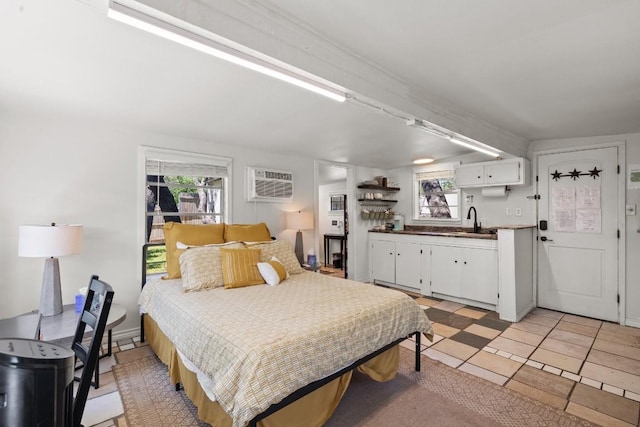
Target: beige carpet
column 438, row 396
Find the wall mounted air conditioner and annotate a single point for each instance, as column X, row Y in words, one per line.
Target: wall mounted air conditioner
column 269, row 185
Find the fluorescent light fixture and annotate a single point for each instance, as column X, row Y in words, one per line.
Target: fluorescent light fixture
column 206, row 45
column 420, row 124
column 423, row 161
column 437, row 131
column 486, row 151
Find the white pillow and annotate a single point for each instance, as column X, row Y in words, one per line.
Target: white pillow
column 269, row 273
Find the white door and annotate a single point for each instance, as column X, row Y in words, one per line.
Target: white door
column 479, row 281
column 445, row 270
column 408, row 268
column 382, row 260
column 578, row 251
column 469, row 175
column 505, row 171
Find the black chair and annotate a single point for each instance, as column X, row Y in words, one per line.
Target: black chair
column 94, row 316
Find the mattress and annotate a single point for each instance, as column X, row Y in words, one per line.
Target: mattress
column 258, row 344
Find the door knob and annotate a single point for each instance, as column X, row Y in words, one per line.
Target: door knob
column 544, row 239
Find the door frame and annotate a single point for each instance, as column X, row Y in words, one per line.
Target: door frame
column 349, row 207
column 620, row 145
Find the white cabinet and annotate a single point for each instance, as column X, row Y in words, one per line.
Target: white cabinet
column 445, row 271
column 462, row 268
column 468, row 273
column 498, row 172
column 479, row 281
column 397, row 262
column 408, row 262
column 382, row 260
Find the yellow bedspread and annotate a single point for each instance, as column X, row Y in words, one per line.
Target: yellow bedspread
column 260, row 343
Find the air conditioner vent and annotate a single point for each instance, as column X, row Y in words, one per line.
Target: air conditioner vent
column 269, row 185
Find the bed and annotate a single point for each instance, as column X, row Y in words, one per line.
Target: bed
column 273, row 355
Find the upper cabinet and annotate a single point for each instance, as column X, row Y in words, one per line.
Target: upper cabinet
column 493, row 173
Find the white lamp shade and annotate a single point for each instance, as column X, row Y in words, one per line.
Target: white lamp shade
column 43, row 241
column 299, row 220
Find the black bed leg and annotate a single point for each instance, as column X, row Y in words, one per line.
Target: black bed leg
column 418, row 334
column 142, row 328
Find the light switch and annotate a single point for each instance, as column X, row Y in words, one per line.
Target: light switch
column 630, row 210
column 518, row 211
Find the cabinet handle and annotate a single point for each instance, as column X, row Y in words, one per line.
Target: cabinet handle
column 465, row 262
column 456, row 261
column 478, row 176
column 489, row 176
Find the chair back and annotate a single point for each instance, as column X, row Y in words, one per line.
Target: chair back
column 94, row 314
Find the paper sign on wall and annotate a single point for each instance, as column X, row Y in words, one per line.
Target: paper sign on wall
column 576, row 209
column 563, row 208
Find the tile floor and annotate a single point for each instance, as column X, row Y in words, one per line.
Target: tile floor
column 583, row 366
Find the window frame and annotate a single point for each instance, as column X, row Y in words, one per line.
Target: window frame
column 169, row 155
column 449, row 168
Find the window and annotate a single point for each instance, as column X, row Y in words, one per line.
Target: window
column 436, row 197
column 336, row 203
column 182, row 187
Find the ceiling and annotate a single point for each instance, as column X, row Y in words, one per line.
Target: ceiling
column 539, row 69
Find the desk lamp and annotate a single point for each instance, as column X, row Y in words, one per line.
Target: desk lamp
column 299, row 220
column 50, row 242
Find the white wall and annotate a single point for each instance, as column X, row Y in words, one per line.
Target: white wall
column 71, row 171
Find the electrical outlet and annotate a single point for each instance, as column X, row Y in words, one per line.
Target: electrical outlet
column 630, row 210
column 508, row 212
column 518, row 211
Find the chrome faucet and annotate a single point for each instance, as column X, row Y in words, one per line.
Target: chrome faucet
column 476, row 226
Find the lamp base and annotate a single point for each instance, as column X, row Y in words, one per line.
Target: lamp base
column 51, row 293
column 298, row 248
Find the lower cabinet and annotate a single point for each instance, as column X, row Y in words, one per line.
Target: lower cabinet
column 382, row 260
column 399, row 263
column 456, row 267
column 462, row 272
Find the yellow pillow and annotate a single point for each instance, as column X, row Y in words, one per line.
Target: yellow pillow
column 189, row 234
column 247, row 233
column 201, row 266
column 282, row 250
column 273, row 272
column 240, row 267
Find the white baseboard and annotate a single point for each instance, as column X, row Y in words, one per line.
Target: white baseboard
column 122, row 335
column 632, row 322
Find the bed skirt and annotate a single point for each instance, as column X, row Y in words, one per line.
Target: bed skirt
column 314, row 409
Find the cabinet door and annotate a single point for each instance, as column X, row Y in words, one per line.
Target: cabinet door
column 479, row 281
column 502, row 172
column 469, row 175
column 425, row 275
column 408, row 268
column 445, row 270
column 382, row 260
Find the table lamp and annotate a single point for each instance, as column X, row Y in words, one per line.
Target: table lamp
column 50, row 242
column 298, row 220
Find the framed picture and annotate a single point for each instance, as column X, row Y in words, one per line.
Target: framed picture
column 336, row 204
column 634, row 177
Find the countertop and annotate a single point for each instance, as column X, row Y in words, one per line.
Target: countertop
column 490, row 233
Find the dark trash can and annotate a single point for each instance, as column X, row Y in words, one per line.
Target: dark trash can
column 36, row 383
column 337, row 260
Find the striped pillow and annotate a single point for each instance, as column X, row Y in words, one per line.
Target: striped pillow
column 201, row 267
column 240, row 267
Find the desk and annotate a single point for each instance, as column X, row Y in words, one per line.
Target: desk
column 23, row 326
column 61, row 328
column 327, row 240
